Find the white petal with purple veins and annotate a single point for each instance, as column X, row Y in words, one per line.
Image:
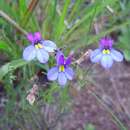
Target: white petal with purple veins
column 62, row 80
column 96, row 56
column 106, row 61
column 53, row 73
column 42, row 55
column 49, row 45
column 29, row 53
column 69, row 73
column 116, row 55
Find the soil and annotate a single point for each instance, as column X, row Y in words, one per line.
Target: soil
column 95, row 103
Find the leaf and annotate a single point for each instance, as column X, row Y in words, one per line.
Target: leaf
column 90, row 127
column 5, row 69
column 22, row 7
column 127, row 54
column 60, row 25
column 3, row 45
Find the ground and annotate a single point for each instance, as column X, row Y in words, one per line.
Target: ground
column 97, row 102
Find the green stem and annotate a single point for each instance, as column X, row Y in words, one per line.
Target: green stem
column 11, row 21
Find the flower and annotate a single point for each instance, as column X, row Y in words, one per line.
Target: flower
column 61, row 71
column 39, row 48
column 106, row 54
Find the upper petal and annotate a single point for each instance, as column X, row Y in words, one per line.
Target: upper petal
column 96, row 56
column 61, row 60
column 30, row 37
column 68, row 60
column 58, row 54
column 29, row 53
column 42, row 55
column 53, row 73
column 106, row 61
column 116, row 55
column 69, row 73
column 37, row 36
column 62, row 80
column 49, row 46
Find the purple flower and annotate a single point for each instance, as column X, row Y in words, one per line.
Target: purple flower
column 39, row 48
column 61, row 71
column 105, row 54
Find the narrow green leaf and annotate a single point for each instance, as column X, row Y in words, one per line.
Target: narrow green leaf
column 5, row 69
column 22, row 7
column 75, row 9
column 4, row 45
column 60, row 25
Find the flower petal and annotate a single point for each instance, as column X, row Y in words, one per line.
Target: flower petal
column 42, row 55
column 116, row 55
column 61, row 60
column 53, row 73
column 30, row 37
column 62, row 80
column 106, row 42
column 69, row 73
column 37, row 36
column 29, row 53
column 96, row 56
column 49, row 46
column 106, row 61
column 58, row 54
column 68, row 60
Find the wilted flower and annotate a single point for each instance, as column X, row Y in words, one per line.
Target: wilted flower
column 61, row 71
column 32, row 94
column 105, row 54
column 39, row 48
column 31, row 98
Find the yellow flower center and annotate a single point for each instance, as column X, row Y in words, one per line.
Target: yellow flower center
column 38, row 46
column 106, row 51
column 62, row 68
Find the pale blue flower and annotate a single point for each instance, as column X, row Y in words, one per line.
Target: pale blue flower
column 105, row 54
column 38, row 49
column 61, row 72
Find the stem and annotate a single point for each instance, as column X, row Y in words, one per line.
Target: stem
column 11, row 21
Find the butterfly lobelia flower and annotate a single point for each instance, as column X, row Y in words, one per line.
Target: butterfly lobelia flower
column 61, row 72
column 106, row 54
column 39, row 48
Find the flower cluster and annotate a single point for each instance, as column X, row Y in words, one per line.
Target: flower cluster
column 40, row 49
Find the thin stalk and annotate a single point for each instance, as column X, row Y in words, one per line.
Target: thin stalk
column 109, row 110
column 11, row 21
